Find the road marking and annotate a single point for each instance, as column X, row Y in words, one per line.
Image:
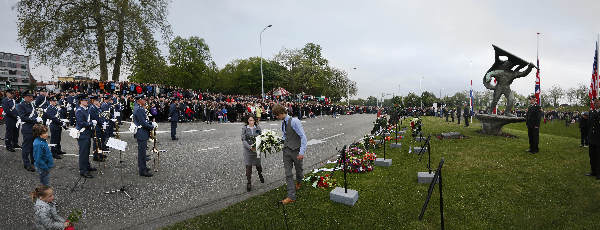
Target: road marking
column 190, row 131
column 76, row 155
column 208, row 130
column 210, row 148
column 314, row 142
column 273, row 124
column 339, row 134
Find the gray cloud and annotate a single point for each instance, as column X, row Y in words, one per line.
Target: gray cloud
column 393, row 43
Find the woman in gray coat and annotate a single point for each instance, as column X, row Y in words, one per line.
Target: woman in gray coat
column 249, row 133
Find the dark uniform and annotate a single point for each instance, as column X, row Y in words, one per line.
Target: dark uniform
column 533, row 116
column 11, row 137
column 140, row 119
column 594, row 138
column 173, row 118
column 108, row 124
column 94, row 113
column 466, row 114
column 584, row 129
column 29, row 118
column 55, row 125
column 84, row 125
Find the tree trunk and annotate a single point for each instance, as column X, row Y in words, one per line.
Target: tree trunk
column 101, row 41
column 120, row 40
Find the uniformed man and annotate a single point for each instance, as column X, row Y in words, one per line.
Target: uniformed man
column 584, row 129
column 533, row 116
column 53, row 121
column 11, row 138
column 108, row 124
column 85, row 125
column 29, row 117
column 174, row 118
column 141, row 121
column 466, row 114
column 458, row 113
column 594, row 140
column 94, row 112
column 41, row 100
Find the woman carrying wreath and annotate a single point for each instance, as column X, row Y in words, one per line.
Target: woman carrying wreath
column 249, row 133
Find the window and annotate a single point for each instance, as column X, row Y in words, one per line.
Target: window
column 23, row 66
column 25, row 80
column 14, row 57
column 1, row 55
column 24, row 73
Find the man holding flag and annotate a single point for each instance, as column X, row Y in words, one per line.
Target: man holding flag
column 594, row 135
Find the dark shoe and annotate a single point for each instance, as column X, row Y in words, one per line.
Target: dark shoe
column 590, row 174
column 262, row 179
column 17, row 146
column 147, row 173
column 248, row 187
column 175, row 139
column 30, row 168
column 10, row 150
column 86, row 175
column 57, row 156
column 62, row 153
column 92, row 169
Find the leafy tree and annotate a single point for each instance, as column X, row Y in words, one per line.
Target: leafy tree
column 192, row 63
column 89, row 35
column 412, row 100
column 428, row 99
column 555, row 94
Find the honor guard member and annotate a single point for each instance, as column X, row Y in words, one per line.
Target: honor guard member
column 108, row 124
column 594, row 140
column 466, row 114
column 41, row 101
column 84, row 124
column 94, row 111
column 140, row 120
column 533, row 116
column 11, row 138
column 174, row 118
column 458, row 113
column 29, row 117
column 71, row 106
column 53, row 121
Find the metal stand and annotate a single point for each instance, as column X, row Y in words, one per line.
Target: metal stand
column 77, row 183
column 123, row 188
column 436, row 179
column 284, row 215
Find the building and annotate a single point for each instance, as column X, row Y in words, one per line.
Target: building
column 14, row 68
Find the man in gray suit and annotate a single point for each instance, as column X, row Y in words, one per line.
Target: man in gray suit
column 294, row 147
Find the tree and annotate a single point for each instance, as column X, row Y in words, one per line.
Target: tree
column 571, row 95
column 412, row 100
column 371, row 101
column 428, row 99
column 192, row 63
column 149, row 66
column 555, row 94
column 89, row 35
column 582, row 96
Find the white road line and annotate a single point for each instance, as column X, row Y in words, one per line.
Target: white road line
column 76, row 155
column 273, row 124
column 210, row 148
column 339, row 134
column 190, row 131
column 314, row 142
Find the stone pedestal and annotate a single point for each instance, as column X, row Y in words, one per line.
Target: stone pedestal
column 401, row 132
column 425, row 177
column 394, row 145
column 420, row 138
column 417, row 150
column 491, row 124
column 338, row 195
column 383, row 162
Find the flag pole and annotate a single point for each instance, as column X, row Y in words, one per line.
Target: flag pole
column 538, row 68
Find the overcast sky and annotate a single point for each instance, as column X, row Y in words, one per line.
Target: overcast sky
column 393, row 44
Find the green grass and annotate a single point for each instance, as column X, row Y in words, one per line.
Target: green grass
column 490, row 182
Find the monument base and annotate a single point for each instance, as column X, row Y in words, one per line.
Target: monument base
column 339, row 196
column 383, row 162
column 394, row 145
column 491, row 124
column 425, row 177
column 420, row 138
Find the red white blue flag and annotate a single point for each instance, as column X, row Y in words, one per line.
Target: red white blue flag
column 537, row 83
column 471, row 98
column 593, row 92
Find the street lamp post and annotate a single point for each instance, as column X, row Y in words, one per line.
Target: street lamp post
column 348, row 90
column 262, row 78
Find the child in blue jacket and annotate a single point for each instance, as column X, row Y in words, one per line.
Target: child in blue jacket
column 41, row 153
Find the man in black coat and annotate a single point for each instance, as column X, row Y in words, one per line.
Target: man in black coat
column 594, row 140
column 174, row 118
column 584, row 129
column 533, row 116
column 466, row 114
column 12, row 132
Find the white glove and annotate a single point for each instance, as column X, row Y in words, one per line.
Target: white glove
column 155, row 125
column 38, row 119
column 94, row 122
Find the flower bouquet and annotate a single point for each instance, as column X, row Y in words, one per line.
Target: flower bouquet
column 415, row 126
column 359, row 160
column 268, row 142
column 321, row 181
column 73, row 218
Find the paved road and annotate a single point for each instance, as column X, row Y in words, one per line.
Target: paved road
column 201, row 172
